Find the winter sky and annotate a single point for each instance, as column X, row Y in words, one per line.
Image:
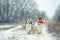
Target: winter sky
column 48, row 5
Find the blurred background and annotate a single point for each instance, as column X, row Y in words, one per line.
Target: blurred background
column 18, row 11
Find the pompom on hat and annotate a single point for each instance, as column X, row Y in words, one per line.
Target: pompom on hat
column 40, row 20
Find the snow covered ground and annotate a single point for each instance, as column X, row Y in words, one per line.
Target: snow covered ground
column 19, row 34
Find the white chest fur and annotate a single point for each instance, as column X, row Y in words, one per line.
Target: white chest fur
column 28, row 27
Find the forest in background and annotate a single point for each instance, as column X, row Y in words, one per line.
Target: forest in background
column 12, row 11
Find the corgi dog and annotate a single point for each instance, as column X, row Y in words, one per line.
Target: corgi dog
column 37, row 29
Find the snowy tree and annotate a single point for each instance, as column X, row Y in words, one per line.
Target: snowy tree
column 36, row 13
column 19, row 10
column 43, row 14
column 57, row 14
column 15, row 10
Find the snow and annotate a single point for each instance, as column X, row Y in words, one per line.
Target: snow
column 19, row 34
column 4, row 26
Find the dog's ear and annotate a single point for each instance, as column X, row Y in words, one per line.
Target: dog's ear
column 26, row 22
column 31, row 22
